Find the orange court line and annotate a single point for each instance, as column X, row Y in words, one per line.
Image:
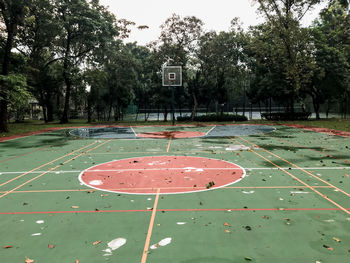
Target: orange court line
column 297, row 179
column 24, row 154
column 340, row 190
column 323, row 153
column 77, row 156
column 165, row 188
column 43, row 165
column 167, row 150
column 305, row 147
column 150, row 228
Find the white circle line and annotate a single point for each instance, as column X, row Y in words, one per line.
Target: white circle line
column 167, row 156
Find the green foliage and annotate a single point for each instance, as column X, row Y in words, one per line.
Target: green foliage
column 18, row 95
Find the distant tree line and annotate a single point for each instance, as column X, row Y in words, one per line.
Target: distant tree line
column 71, row 55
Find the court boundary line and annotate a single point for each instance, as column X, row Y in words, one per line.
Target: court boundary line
column 115, row 189
column 150, row 228
column 299, row 180
column 169, row 144
column 51, row 169
column 305, row 147
column 307, row 172
column 24, row 154
column 43, row 165
column 247, row 169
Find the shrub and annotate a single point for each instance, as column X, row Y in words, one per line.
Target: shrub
column 214, row 117
column 285, row 116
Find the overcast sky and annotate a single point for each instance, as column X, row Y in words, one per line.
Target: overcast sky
column 216, row 15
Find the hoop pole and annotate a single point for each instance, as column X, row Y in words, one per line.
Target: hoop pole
column 172, row 103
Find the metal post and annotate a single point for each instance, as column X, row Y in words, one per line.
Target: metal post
column 172, row 103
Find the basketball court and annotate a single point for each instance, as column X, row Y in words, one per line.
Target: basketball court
column 232, row 193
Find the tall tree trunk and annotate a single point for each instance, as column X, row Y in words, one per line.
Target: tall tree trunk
column 67, row 80
column 11, row 32
column 165, row 114
column 65, row 113
column 195, row 107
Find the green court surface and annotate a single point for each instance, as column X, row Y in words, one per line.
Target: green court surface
column 291, row 203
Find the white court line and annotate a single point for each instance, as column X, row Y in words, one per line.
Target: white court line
column 210, row 130
column 194, row 169
column 133, row 131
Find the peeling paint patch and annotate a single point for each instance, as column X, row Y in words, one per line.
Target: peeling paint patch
column 116, row 243
column 248, row 192
column 95, row 182
column 237, row 148
column 162, row 243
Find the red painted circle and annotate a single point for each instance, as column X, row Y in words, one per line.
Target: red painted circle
column 169, row 174
column 171, row 134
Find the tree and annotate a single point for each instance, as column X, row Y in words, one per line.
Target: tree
column 284, row 18
column 85, row 26
column 332, row 54
column 37, row 39
column 221, row 65
column 13, row 14
column 175, row 46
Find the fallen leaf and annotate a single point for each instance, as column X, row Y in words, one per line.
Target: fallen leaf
column 75, row 206
column 226, row 224
column 328, row 247
column 7, row 246
column 29, row 260
column 50, row 246
column 96, row 242
column 336, row 239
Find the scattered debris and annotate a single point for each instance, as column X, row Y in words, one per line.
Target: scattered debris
column 248, row 258
column 237, row 148
column 226, row 224
column 248, row 193
column 248, row 228
column 7, row 246
column 210, row 184
column 27, row 260
column 96, row 242
column 328, row 247
column 181, row 223
column 75, row 206
column 50, row 246
column 40, row 222
column 227, row 231
column 336, row 239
